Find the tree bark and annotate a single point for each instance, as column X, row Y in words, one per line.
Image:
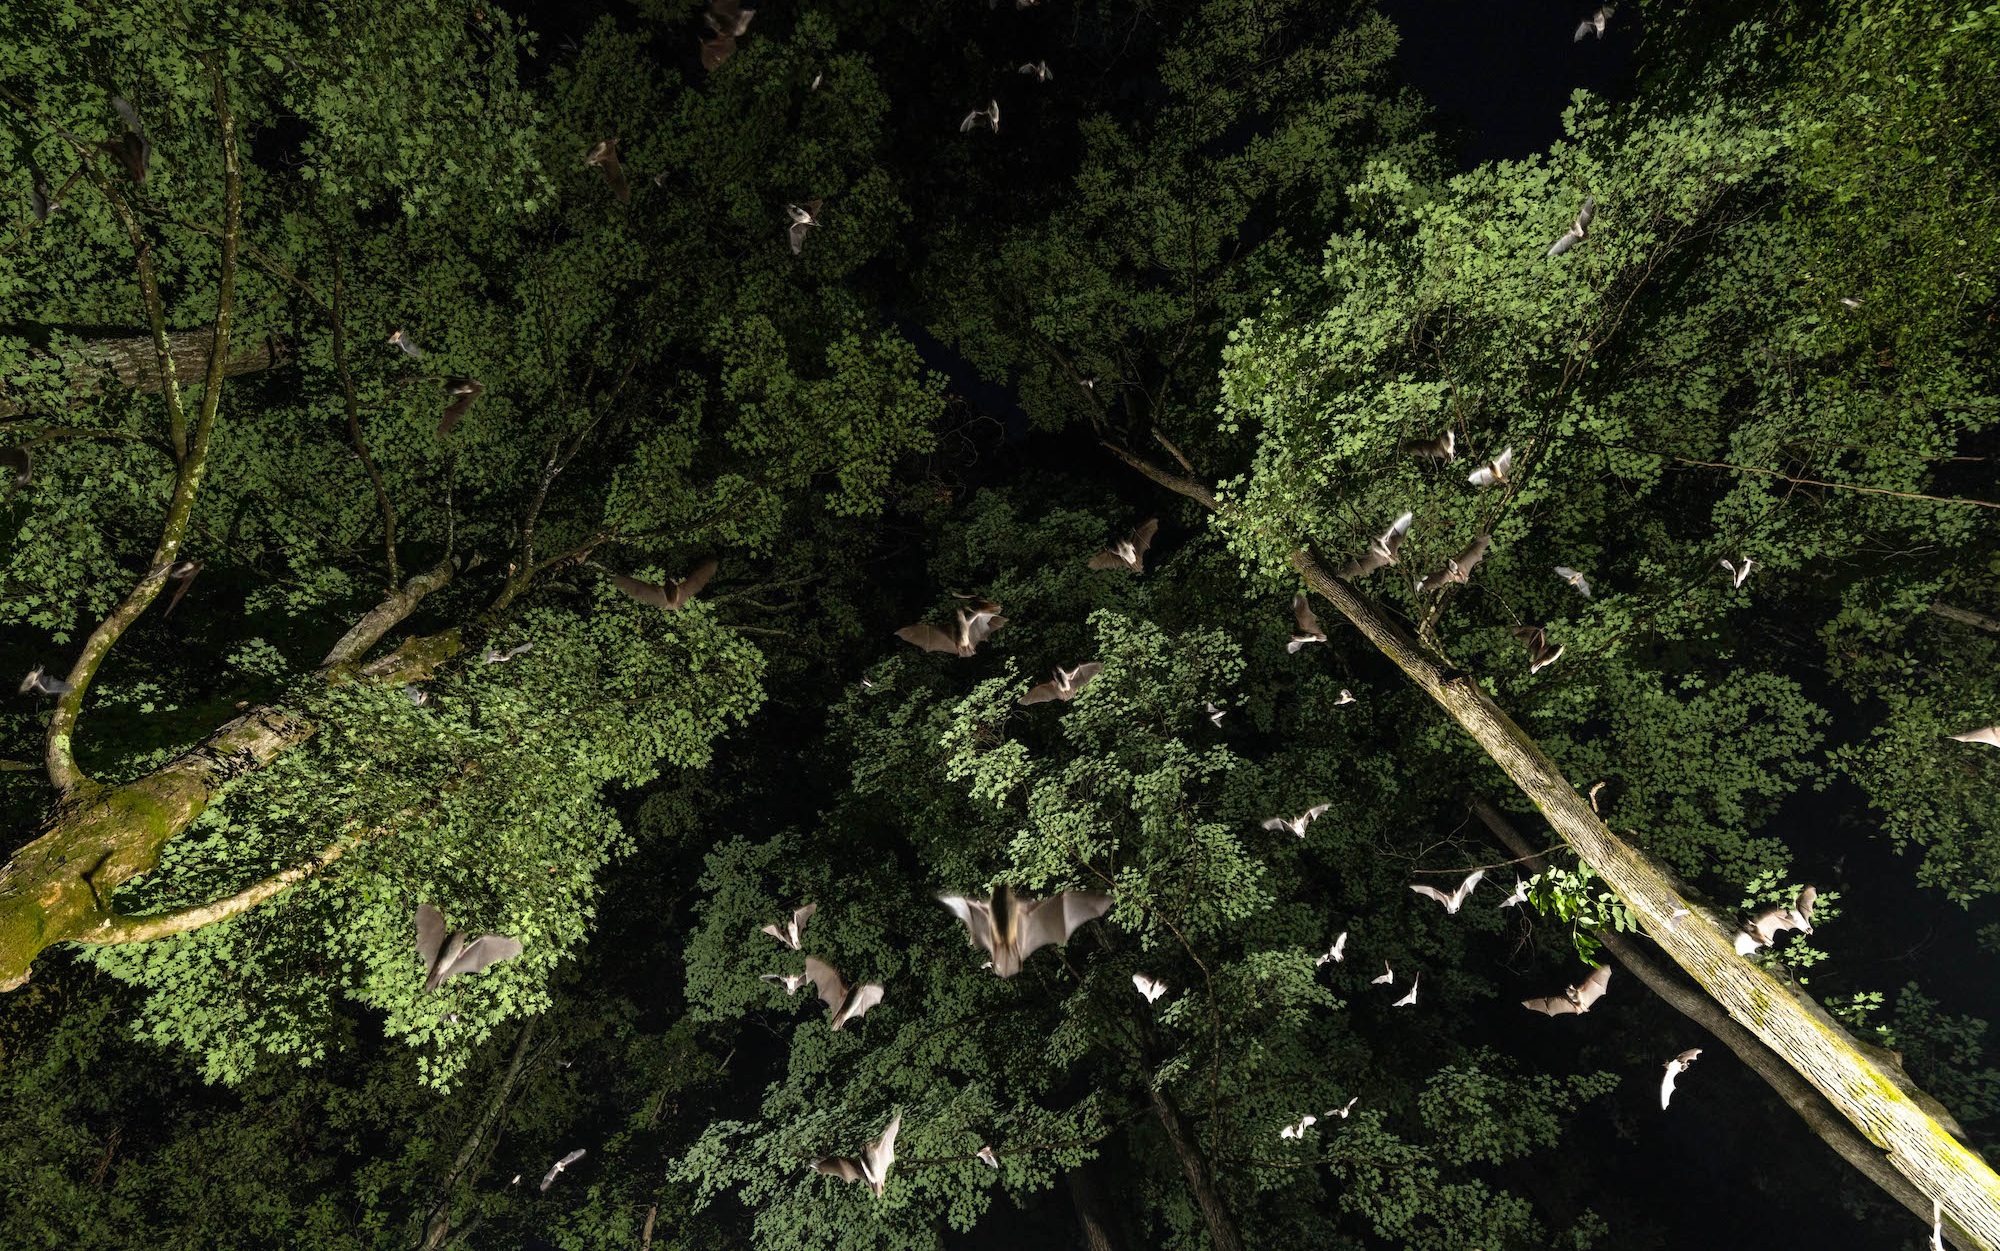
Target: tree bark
column 1093, row 1214
column 437, row 1225
column 134, row 362
column 1965, row 616
column 1878, row 1099
column 1222, row 1235
column 1787, row 1085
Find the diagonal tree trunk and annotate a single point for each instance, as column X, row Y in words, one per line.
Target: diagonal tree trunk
column 134, row 362
column 1093, row 1214
column 1881, row 1102
column 1222, row 1235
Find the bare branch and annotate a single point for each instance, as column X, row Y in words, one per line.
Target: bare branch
column 119, row 928
column 354, row 420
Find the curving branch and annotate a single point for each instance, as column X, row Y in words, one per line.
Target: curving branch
column 119, row 928
column 1965, row 616
column 385, row 616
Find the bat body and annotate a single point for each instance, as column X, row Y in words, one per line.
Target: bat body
column 1540, row 654
column 1148, row 987
column 555, row 1170
column 1129, row 552
column 803, row 217
column 463, row 391
column 1065, row 685
column 408, row 345
column 1459, row 568
column 972, row 627
column 1336, row 953
column 1457, row 898
column 604, row 155
column 1410, row 1000
column 1443, row 448
column 1740, row 573
column 20, row 462
column 1574, row 999
column 1381, row 550
column 1989, row 736
column 1296, row 825
column 1013, row 927
column 1675, row 1067
column 1307, row 621
column 1495, row 470
column 1575, row 579
column 1040, row 69
column 1594, row 24
column 39, row 683
column 446, row 956
column 872, row 1169
column 789, row 935
column 988, row 117
column 183, row 572
column 1579, row 229
column 1388, row 977
column 844, row 1003
column 670, row 598
column 1763, row 928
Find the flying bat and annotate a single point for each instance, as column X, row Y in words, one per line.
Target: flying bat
column 1148, row 987
column 1215, row 714
column 844, row 1003
column 133, row 149
column 416, row 695
column 21, row 461
column 41, row 201
column 1764, row 927
column 1595, row 23
column 1540, row 654
column 494, row 656
column 1388, row 977
column 803, row 217
column 670, row 598
column 1309, row 629
column 464, row 391
column 1740, row 573
column 1040, row 69
column 1345, row 1109
column 792, row 982
column 715, row 50
column 988, row 116
column 183, row 572
column 555, row 1170
column 1298, row 1128
column 1381, row 550
column 873, row 1166
column 1520, row 895
column 1443, row 448
column 1579, row 229
column 1410, row 999
column 729, row 17
column 446, row 956
column 1336, row 953
column 1989, row 736
column 1458, row 568
column 1065, row 685
column 1577, row 998
column 789, row 935
column 1575, row 579
column 39, row 683
column 972, row 627
column 398, row 338
column 1453, row 901
column 1296, row 825
column 1495, row 470
column 1129, row 552
column 1346, row 697
column 1013, row 927
column 1675, row 1067
column 986, row 1157
column 604, row 155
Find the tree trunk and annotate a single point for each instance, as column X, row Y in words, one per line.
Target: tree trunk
column 1875, row 1097
column 134, row 363
column 437, row 1226
column 1696, row 1007
column 1964, row 616
column 1222, row 1235
column 1093, row 1214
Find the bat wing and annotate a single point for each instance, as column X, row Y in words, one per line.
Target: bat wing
column 644, row 592
column 1302, row 613
column 1431, row 892
column 1587, row 214
column 1803, row 905
column 778, row 934
column 982, row 626
column 430, row 934
column 614, row 178
column 1568, row 240
column 1592, row 988
column 689, row 587
column 929, row 637
column 1277, row 823
column 717, row 50
column 798, row 235
column 1041, row 694
column 180, row 590
column 487, row 949
column 864, row 997
column 1667, row 1083
column 1142, row 537
column 1313, row 813
column 1465, row 888
column 1363, row 565
column 1392, row 538
column 1990, row 735
column 1107, row 559
column 1474, row 552
column 881, row 1153
column 827, row 982
column 977, row 914
column 457, row 409
column 1054, row 919
column 1551, row 1005
column 843, row 1168
column 1082, row 674
column 802, row 914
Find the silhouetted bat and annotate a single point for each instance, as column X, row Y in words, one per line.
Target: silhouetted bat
column 1762, row 928
column 872, row 1168
column 844, row 1003
column 1296, row 826
column 182, row 572
column 1540, row 654
column 1381, row 550
column 39, row 683
column 1574, row 999
column 1151, row 988
column 133, row 149
column 972, row 627
column 1675, row 1067
column 1013, row 927
column 1443, row 448
column 988, row 116
column 803, row 217
column 1307, row 621
column 1495, row 470
column 667, row 598
column 604, row 155
column 1453, row 901
column 466, row 390
column 1458, row 568
column 1579, row 230
column 446, row 956
column 789, row 935
column 1130, row 551
column 1064, row 687
column 555, row 1170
